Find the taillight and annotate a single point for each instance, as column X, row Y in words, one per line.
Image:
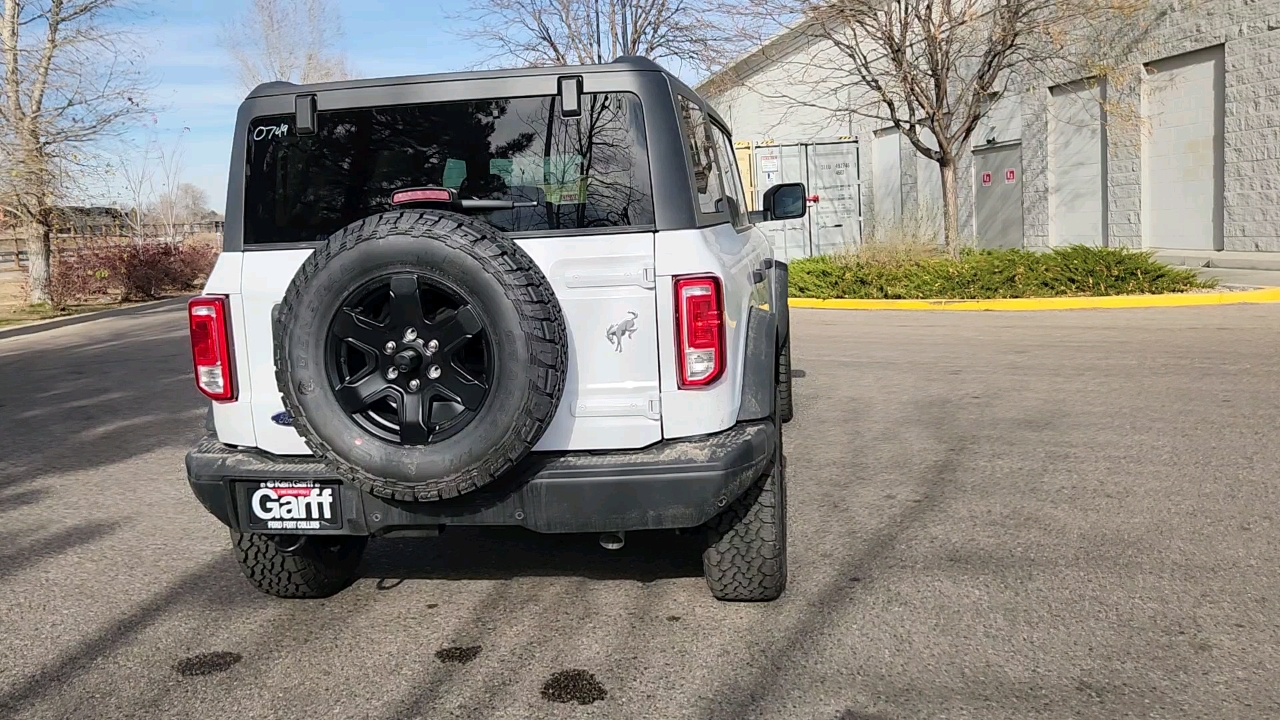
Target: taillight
column 211, row 347
column 699, row 313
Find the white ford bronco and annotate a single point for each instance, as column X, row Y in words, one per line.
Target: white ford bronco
column 529, row 297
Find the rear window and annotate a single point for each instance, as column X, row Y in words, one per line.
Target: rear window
column 585, row 172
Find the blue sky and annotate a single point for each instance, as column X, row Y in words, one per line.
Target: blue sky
column 198, row 88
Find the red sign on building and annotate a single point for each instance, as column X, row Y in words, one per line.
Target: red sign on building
column 986, row 179
column 1010, row 175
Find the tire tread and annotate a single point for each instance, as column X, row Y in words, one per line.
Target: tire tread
column 746, row 553
column 541, row 319
column 307, row 573
column 786, row 409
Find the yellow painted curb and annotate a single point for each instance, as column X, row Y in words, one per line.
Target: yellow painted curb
column 1265, row 295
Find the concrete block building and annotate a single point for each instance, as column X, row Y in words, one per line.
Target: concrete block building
column 1192, row 171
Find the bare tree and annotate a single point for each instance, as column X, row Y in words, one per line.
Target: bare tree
column 136, row 170
column 69, row 78
column 166, row 210
column 289, row 40
column 572, row 32
column 933, row 68
column 153, row 194
column 192, row 203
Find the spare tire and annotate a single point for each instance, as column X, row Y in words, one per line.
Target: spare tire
column 421, row 354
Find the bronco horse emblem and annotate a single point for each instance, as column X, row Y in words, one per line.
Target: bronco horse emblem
column 626, row 328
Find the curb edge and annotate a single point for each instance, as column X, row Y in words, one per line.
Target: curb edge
column 36, row 326
column 1264, row 295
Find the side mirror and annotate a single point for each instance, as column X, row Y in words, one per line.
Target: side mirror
column 785, row 201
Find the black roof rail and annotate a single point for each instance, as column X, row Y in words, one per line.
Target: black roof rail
column 273, row 85
column 638, row 62
column 625, row 63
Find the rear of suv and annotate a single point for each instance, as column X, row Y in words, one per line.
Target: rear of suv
column 530, row 297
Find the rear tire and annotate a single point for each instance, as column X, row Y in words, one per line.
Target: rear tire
column 785, row 408
column 318, row 567
column 746, row 552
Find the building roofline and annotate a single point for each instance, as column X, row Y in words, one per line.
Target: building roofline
column 789, row 40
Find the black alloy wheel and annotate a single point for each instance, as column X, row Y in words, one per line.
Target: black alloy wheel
column 409, row 358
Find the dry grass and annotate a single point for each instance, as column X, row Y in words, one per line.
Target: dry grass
column 11, row 288
column 20, row 313
column 914, row 237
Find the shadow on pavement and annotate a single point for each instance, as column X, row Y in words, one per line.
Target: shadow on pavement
column 505, row 553
column 194, row 588
column 70, row 403
column 18, row 555
column 21, row 498
column 740, row 695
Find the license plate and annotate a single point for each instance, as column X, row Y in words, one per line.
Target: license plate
column 284, row 506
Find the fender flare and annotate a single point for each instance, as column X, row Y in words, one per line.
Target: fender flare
column 768, row 330
column 780, row 297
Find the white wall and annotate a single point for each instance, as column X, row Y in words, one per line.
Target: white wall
column 1152, row 193
column 1076, row 165
column 1002, row 123
column 786, row 101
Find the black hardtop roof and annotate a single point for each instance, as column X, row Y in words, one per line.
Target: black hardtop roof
column 675, row 206
column 622, row 64
column 626, row 63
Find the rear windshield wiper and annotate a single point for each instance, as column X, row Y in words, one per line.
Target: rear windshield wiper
column 495, row 204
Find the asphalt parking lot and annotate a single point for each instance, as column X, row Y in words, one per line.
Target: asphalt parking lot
column 1035, row 515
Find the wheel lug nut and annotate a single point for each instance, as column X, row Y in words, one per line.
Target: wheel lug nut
column 390, row 347
column 414, row 384
column 432, row 347
column 433, row 372
column 410, row 334
column 392, row 373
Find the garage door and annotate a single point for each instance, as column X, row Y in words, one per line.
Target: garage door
column 928, row 178
column 1182, row 154
column 886, row 177
column 1076, row 161
column 929, row 185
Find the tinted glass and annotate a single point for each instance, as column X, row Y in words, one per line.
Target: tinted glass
column 734, row 195
column 585, row 172
column 702, row 157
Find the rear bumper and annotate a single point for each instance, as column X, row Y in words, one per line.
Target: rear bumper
column 673, row 484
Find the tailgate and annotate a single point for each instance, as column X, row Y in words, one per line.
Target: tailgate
column 606, row 288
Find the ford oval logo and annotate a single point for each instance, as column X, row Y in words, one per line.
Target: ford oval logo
column 282, row 418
